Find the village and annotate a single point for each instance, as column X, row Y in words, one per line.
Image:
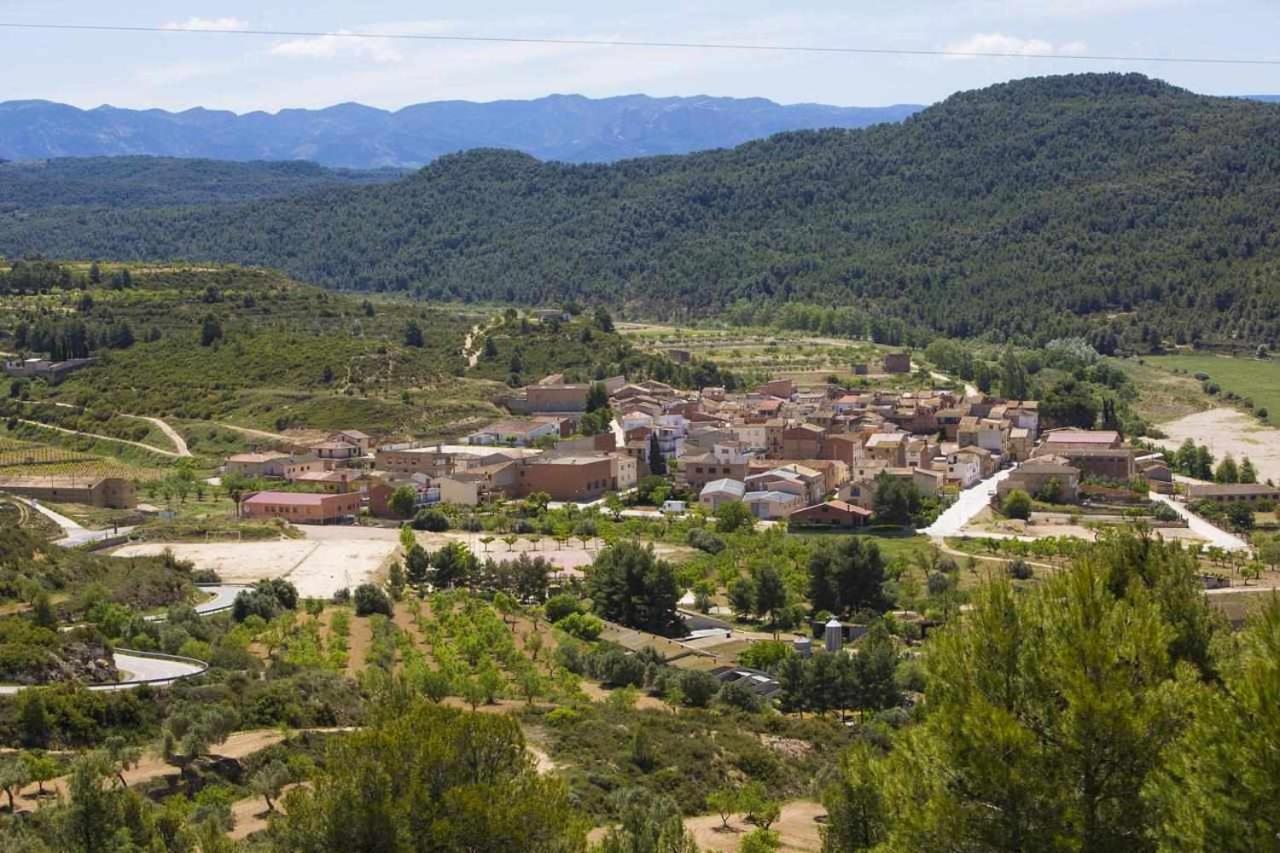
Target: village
column 806, row 457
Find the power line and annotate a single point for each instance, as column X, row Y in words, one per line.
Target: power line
column 627, row 43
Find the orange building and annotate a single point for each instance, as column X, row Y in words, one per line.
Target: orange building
column 302, row 507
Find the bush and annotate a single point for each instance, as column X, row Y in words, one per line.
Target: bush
column 371, row 599
column 342, row 596
column 705, row 540
column 1019, row 569
column 431, row 520
column 616, row 668
column 1017, row 504
column 584, row 626
column 765, row 654
column 698, row 687
column 737, row 695
column 560, row 606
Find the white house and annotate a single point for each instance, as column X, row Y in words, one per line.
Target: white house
column 719, row 492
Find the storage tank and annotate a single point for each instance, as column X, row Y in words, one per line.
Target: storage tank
column 803, row 647
column 833, row 635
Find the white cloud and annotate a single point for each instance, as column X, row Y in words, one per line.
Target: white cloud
column 343, row 44
column 208, row 24
column 1000, row 43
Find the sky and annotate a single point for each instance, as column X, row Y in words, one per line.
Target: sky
column 178, row 70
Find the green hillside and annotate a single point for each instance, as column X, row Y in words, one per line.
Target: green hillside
column 151, row 181
column 249, row 347
column 1030, row 210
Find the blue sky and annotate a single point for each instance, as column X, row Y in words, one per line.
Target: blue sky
column 247, row 72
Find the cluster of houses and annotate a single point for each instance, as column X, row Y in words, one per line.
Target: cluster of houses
column 811, row 456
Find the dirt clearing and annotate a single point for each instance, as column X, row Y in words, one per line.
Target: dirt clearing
column 797, row 829
column 317, row 568
column 1229, row 431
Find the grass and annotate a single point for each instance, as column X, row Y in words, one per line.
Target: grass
column 1163, row 396
column 1253, row 380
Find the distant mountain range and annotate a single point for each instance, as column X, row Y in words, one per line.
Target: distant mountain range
column 1095, row 204
column 568, row 128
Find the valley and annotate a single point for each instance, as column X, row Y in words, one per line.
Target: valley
column 900, row 487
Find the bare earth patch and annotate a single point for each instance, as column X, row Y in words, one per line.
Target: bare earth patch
column 797, row 829
column 1229, row 431
column 318, row 568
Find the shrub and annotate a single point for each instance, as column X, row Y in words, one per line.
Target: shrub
column 371, row 599
column 1019, row 569
column 698, row 687
column 1017, row 504
column 342, row 596
column 767, row 653
column 738, row 696
column 584, row 626
column 431, row 520
column 616, row 668
column 705, row 540
column 560, row 606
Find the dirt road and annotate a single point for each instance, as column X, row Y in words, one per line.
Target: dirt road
column 170, row 453
column 153, row 765
column 179, row 443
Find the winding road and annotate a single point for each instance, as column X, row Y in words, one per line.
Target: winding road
column 173, row 454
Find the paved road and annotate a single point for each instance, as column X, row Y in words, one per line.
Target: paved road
column 971, row 502
column 1202, row 528
column 158, row 672
column 224, row 596
column 73, row 533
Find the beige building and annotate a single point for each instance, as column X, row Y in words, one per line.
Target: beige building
column 111, row 492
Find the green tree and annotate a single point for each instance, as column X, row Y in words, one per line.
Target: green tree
column 1049, row 710
column 453, row 564
column 657, row 462
column 629, row 585
column 426, row 777
column 1017, row 504
column 269, row 781
column 403, row 500
column 413, row 334
column 771, row 592
column 1069, row 403
column 724, row 802
column 733, row 516
column 854, row 801
column 1248, row 474
column 416, row 564
column 597, row 397
column 1218, row 788
column 742, row 596
column 1226, row 472
column 896, row 500
column 1013, row 376
column 14, row 776
column 847, row 575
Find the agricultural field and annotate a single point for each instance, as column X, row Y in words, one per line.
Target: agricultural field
column 21, row 458
column 1255, row 382
column 759, row 354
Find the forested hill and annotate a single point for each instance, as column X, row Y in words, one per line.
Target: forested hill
column 569, row 128
column 154, row 181
column 1033, row 209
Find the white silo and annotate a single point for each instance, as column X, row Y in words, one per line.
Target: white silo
column 833, row 635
